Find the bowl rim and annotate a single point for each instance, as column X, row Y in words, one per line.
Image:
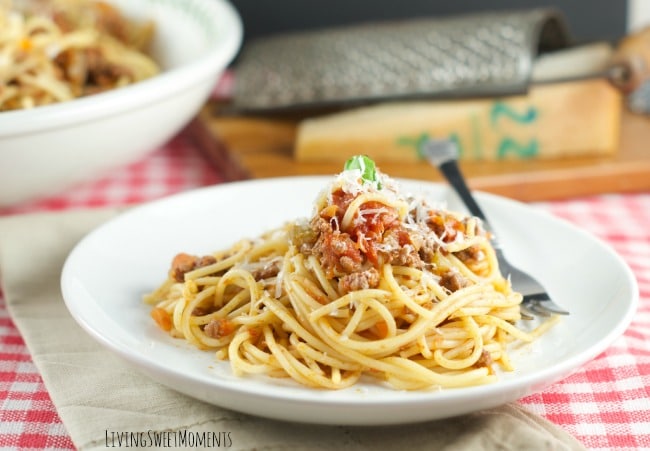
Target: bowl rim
column 167, row 83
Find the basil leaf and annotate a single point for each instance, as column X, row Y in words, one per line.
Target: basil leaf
column 367, row 167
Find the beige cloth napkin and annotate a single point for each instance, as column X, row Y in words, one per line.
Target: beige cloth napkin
column 98, row 396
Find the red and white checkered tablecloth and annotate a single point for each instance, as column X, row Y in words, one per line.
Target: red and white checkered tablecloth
column 605, row 404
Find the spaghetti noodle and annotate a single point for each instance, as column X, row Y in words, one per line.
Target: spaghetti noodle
column 64, row 49
column 375, row 283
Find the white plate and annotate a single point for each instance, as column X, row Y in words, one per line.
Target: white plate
column 106, row 274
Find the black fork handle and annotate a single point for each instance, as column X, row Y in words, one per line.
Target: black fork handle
column 452, row 173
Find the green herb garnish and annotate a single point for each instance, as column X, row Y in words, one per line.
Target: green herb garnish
column 366, row 166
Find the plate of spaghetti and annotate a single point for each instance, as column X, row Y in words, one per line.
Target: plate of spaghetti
column 351, row 299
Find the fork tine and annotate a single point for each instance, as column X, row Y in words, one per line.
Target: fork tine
column 541, row 302
column 526, row 314
column 536, row 308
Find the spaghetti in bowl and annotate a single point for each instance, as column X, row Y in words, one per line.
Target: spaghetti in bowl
column 375, row 283
column 46, row 148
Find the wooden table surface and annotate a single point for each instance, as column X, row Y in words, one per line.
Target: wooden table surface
column 249, row 147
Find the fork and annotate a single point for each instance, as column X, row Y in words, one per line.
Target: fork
column 444, row 155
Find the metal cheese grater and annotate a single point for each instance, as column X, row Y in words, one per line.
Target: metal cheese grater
column 472, row 55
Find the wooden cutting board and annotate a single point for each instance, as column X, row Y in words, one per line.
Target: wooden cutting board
column 243, row 148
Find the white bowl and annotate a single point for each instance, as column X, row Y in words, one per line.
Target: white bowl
column 48, row 148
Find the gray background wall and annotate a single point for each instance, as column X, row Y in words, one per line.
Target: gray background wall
column 588, row 19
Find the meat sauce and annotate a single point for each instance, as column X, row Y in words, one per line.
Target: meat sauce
column 365, row 235
column 377, row 236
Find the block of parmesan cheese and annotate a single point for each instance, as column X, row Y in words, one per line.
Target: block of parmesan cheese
column 551, row 121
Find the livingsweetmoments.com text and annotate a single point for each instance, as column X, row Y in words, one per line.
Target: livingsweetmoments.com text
column 168, row 439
